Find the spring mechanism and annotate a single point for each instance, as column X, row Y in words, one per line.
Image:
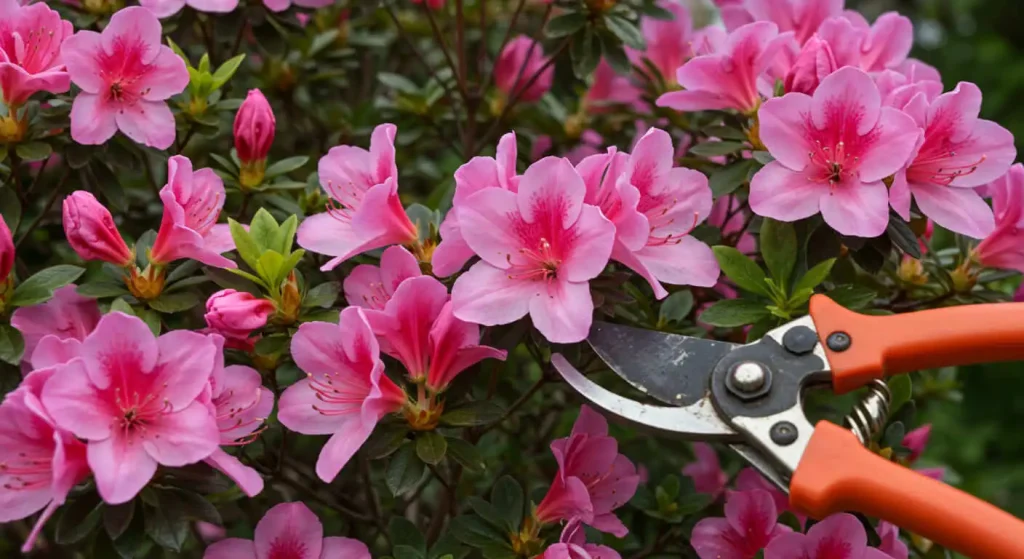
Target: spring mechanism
column 871, row 413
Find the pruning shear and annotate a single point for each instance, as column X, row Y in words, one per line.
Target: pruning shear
column 749, row 397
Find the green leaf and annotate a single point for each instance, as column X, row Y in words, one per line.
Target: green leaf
column 447, row 547
column 475, row 532
column 853, row 296
column 465, row 454
column 726, row 180
column 269, row 267
column 626, row 31
column 431, row 447
column 471, row 414
column 585, row 52
column 78, row 155
column 731, row 313
column 39, row 288
column 712, row 149
column 225, row 163
column 406, row 552
column 166, row 522
column 244, row 243
column 902, row 236
column 78, row 519
column 779, row 249
column 10, row 208
column 398, row 83
column 175, row 302
column 284, row 238
column 404, row 470
column 743, row 271
column 676, row 307
column 116, row 518
column 288, row 265
column 507, row 496
column 815, row 276
column 270, row 345
column 404, row 532
column 262, row 230
column 323, row 295
column 101, row 289
column 12, row 345
column 152, row 320
column 120, row 305
column 614, row 53
column 385, row 440
column 285, row 166
column 33, row 151
column 902, row 389
column 566, row 24
column 488, row 512
column 226, row 70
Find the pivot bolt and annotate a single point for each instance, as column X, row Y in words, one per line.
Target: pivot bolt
column 784, row 433
column 748, row 380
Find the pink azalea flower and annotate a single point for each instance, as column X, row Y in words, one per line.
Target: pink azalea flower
column 840, row 536
column 593, row 478
column 654, row 206
column 282, row 5
column 371, row 287
column 539, row 249
column 235, row 314
column 135, row 399
column 872, row 48
column 254, row 128
column 669, row 43
column 731, row 78
column 891, row 544
column 480, row 173
column 366, row 212
column 958, row 153
column 7, row 251
column 288, row 531
column 518, row 63
column 240, row 403
column 1004, row 246
column 750, row 480
column 750, row 523
column 831, row 153
column 91, row 231
column 56, row 327
column 126, row 76
column 802, row 17
column 814, row 63
column 609, row 90
column 192, row 204
column 39, row 461
column 345, row 393
column 916, row 440
column 706, row 472
column 30, row 41
column 167, row 8
column 573, row 545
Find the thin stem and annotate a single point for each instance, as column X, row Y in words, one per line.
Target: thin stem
column 244, row 207
column 441, row 42
column 46, row 207
column 371, row 495
column 508, row 35
column 515, row 405
column 419, row 56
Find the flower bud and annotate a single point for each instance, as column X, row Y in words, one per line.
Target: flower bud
column 91, row 231
column 911, row 271
column 523, row 71
column 236, row 314
column 6, row 251
column 812, row 65
column 254, row 130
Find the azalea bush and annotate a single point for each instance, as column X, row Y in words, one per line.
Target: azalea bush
column 284, row 279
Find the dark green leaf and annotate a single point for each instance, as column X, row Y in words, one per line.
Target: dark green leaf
column 902, row 236
column 431, row 447
column 853, row 296
column 79, row 519
column 406, row 552
column 175, row 302
column 323, row 295
column 10, row 208
column 404, row 470
column 101, row 289
column 33, row 151
column 743, row 271
column 734, row 312
column 615, row 55
column 626, row 31
column 385, row 440
column 763, row 157
column 404, row 532
column 566, row 24
column 12, row 345
column 585, row 51
column 727, row 179
column 39, row 288
column 398, row 83
column 120, row 305
column 694, row 503
column 465, row 454
column 676, row 307
column 427, row 221
column 507, row 496
column 723, row 132
column 779, row 249
column 269, row 345
column 285, row 166
column 711, row 149
column 447, row 547
column 116, row 518
column 472, row 414
column 492, row 514
column 902, row 389
column 78, row 155
column 475, row 532
column 166, row 521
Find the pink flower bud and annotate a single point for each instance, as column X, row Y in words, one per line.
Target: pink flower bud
column 254, row 127
column 812, row 65
column 235, row 314
column 6, row 250
column 91, row 231
column 520, row 68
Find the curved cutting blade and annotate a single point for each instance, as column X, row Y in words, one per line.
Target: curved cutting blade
column 697, row 420
column 672, row 368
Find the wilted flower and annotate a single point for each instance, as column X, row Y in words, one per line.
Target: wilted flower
column 288, row 531
column 91, row 231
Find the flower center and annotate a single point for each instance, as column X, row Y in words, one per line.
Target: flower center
column 834, row 163
column 940, row 167
column 138, row 411
column 339, row 394
column 540, row 263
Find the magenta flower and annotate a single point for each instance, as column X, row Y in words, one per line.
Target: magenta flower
column 56, row 327
column 840, row 536
column 126, row 76
column 288, row 531
column 654, row 207
column 235, row 314
column 417, row 328
column 522, row 71
column 732, row 77
column 167, row 8
column 240, row 403
column 1004, row 246
column 891, row 544
column 750, row 480
column 706, row 473
column 366, row 212
column 39, row 461
column 480, row 173
column 669, row 43
column 135, row 399
column 7, row 252
column 282, row 5
column 609, row 89
column 30, row 41
column 573, row 545
column 345, row 393
column 750, row 523
column 802, row 17
column 539, row 249
column 831, row 153
column 254, row 128
column 593, row 478
column 192, row 203
column 371, row 287
column 91, row 231
column 959, row 152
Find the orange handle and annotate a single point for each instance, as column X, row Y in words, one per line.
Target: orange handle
column 838, row 474
column 886, row 345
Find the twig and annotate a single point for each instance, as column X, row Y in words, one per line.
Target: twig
column 372, row 496
column 445, row 51
column 515, row 405
column 46, row 207
column 419, row 56
column 508, row 35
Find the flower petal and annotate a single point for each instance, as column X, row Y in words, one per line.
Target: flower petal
column 289, row 527
column 490, row 215
column 961, row 210
column 847, row 98
column 487, row 295
column 93, row 120
column 594, row 235
column 248, row 479
column 786, row 195
column 121, row 466
column 342, row 446
column 563, row 311
column 857, row 209
column 150, row 123
column 231, row 548
column 80, row 53
column 894, row 141
column 783, row 129
column 181, row 438
column 549, row 190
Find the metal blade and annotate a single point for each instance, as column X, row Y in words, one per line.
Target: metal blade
column 669, row 367
column 697, row 421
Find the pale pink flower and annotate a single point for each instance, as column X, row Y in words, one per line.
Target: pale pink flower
column 371, row 287
column 254, row 128
column 573, row 545
column 30, row 41
column 7, row 251
column 1004, row 246
column 282, row 5
column 593, row 478
column 56, row 327
column 891, row 544
column 958, row 153
column 472, row 177
column 831, row 153
column 91, row 231
column 417, row 328
column 750, row 480
column 522, row 71
column 669, row 43
column 135, row 399
column 750, row 523
column 240, row 403
column 192, row 204
column 609, row 90
column 872, row 48
column 654, row 207
column 802, row 17
column 167, row 8
column 840, row 536
column 39, row 461
column 288, row 531
column 539, row 249
column 366, row 212
column 706, row 472
column 345, row 392
column 126, row 76
column 732, row 77
column 814, row 63
column 235, row 314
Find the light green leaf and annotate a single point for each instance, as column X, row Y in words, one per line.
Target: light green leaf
column 33, row 151
column 743, row 271
column 815, row 275
column 262, row 229
column 268, row 267
column 471, row 414
column 226, row 70
column 39, row 288
column 244, row 243
column 283, row 239
column 120, row 305
column 902, row 389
